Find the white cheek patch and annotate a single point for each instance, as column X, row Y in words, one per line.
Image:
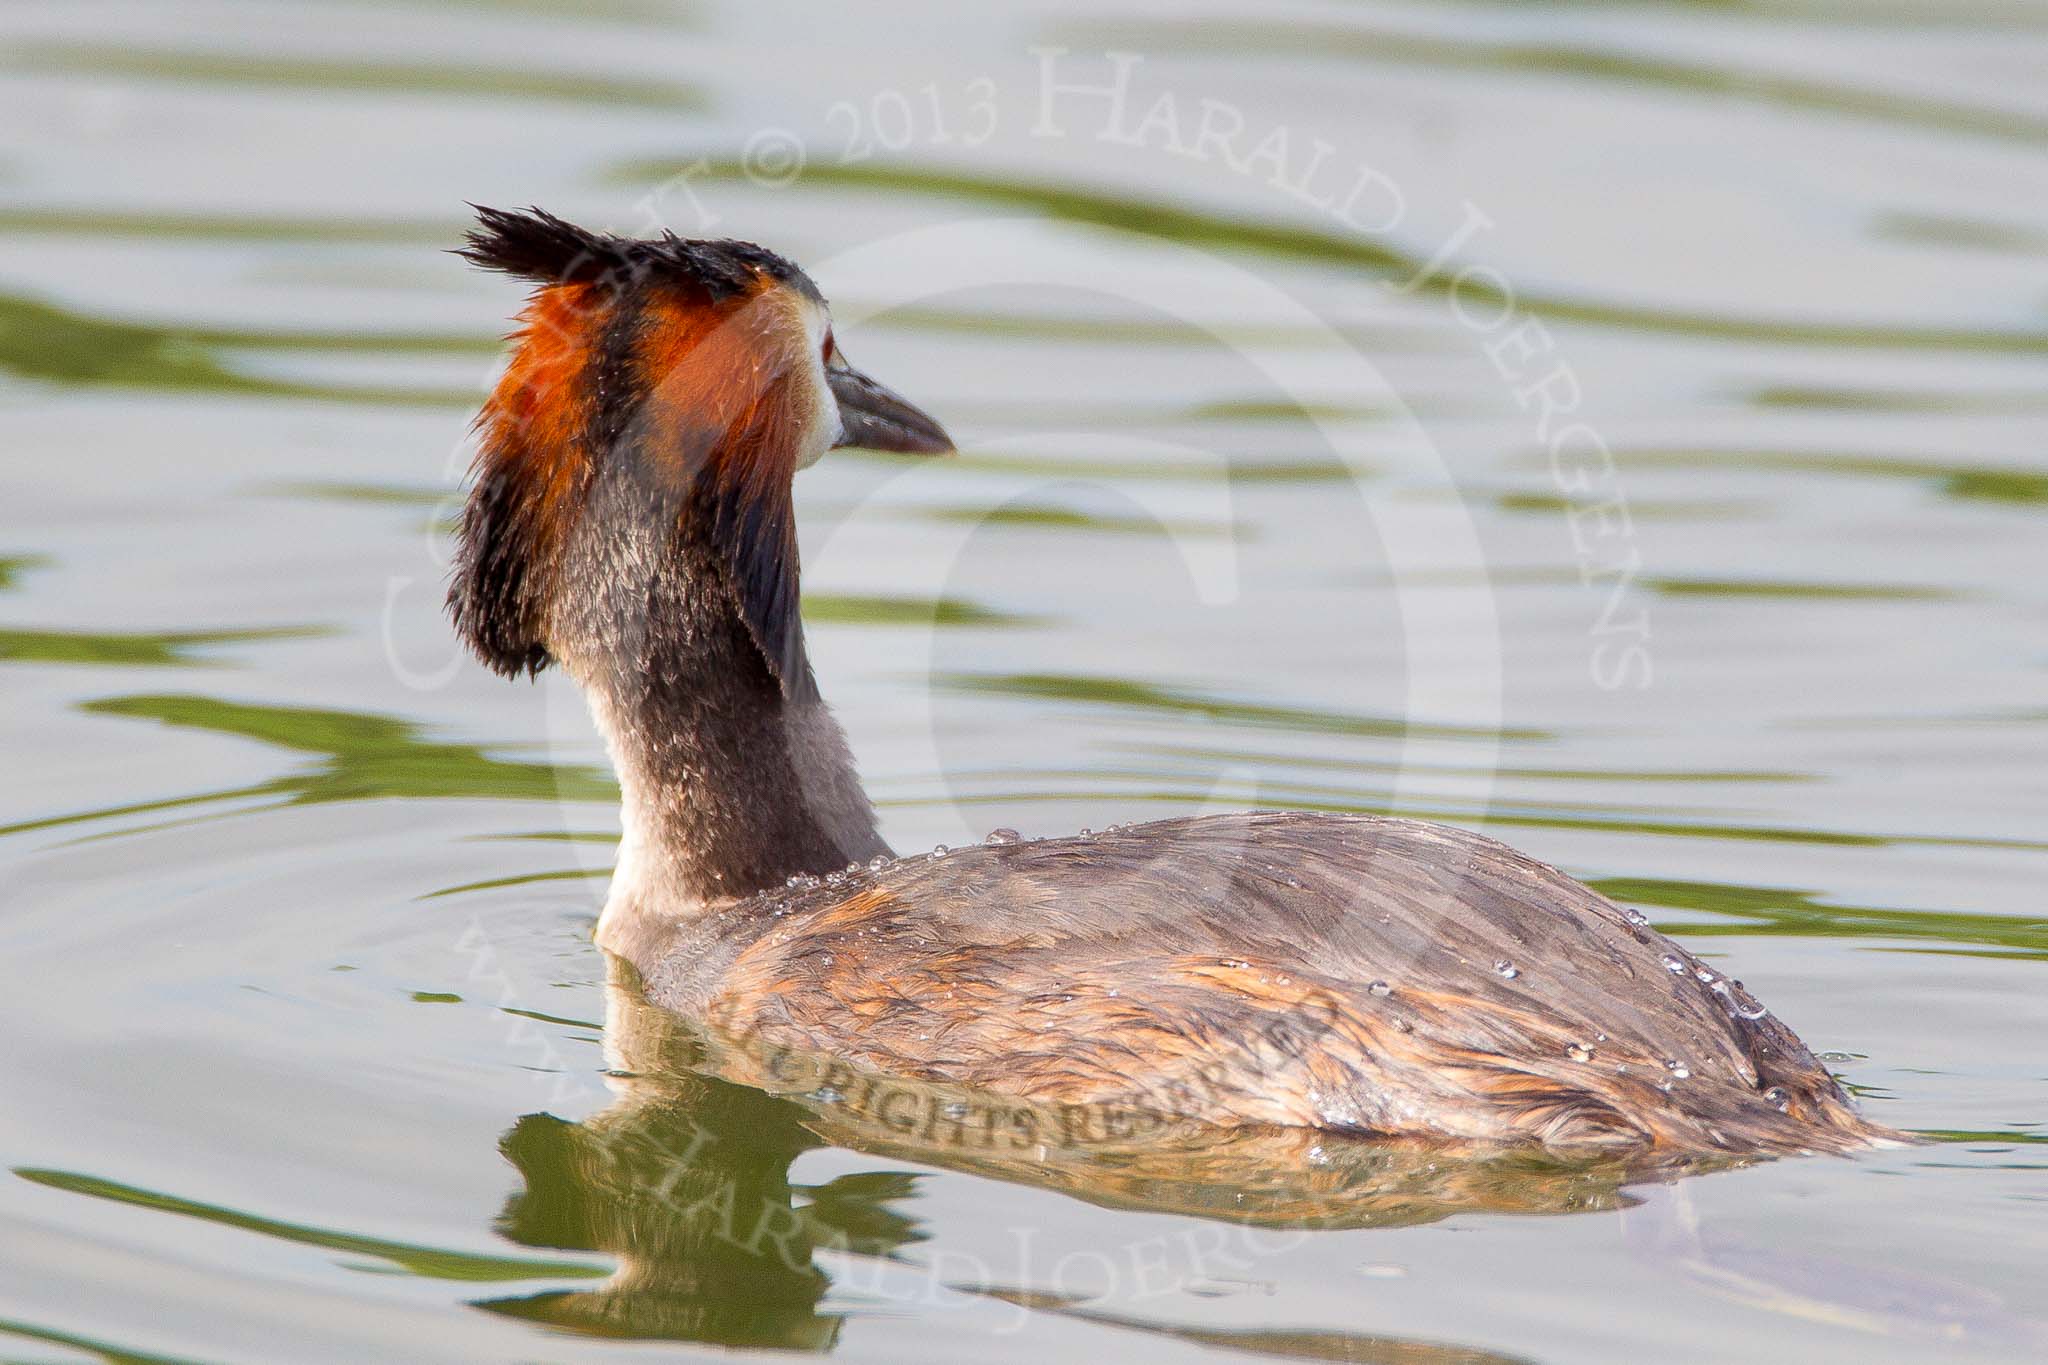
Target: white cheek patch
column 824, row 427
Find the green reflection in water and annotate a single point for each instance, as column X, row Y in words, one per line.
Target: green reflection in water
column 402, row 495
column 41, row 341
column 12, row 566
column 1781, row 910
column 231, row 227
column 1754, row 84
column 373, row 77
column 93, row 1346
column 1815, row 592
column 1261, row 410
column 856, row 610
column 1819, row 398
column 1125, row 692
column 362, row 757
column 1996, row 485
column 1199, row 227
column 428, row 1262
column 1639, row 509
column 1977, row 1135
column 167, row 649
column 1966, row 482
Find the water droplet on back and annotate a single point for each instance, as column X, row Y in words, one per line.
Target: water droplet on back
column 1381, row 989
column 1673, row 964
column 1579, row 1052
column 1003, row 836
column 1507, row 969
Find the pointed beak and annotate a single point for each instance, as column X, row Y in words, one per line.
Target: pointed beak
column 877, row 418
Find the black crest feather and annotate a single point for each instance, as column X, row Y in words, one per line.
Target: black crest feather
column 534, row 244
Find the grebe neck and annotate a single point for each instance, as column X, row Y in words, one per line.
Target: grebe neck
column 731, row 783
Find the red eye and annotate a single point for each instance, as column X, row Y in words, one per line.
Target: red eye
column 825, row 351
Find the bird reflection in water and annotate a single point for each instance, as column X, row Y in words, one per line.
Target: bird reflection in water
column 685, row 1180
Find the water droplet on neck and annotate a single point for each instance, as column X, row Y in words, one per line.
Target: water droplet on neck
column 1381, row 989
column 1677, row 1068
column 1003, row 836
column 1403, row 1026
column 878, row 862
column 1087, row 833
column 1507, row 969
column 939, row 851
column 1579, row 1052
column 1635, row 917
column 1674, row 964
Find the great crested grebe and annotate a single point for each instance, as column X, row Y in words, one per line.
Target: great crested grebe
column 631, row 518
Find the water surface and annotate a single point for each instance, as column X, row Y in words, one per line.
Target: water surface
column 1268, row 496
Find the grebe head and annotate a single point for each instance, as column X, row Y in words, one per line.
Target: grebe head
column 631, row 519
column 693, row 379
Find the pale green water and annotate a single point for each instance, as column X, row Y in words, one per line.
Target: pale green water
column 304, row 1032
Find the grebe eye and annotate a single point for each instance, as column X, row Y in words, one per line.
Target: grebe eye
column 825, row 351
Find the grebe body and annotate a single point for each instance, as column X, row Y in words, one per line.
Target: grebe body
column 631, row 520
column 1371, row 975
